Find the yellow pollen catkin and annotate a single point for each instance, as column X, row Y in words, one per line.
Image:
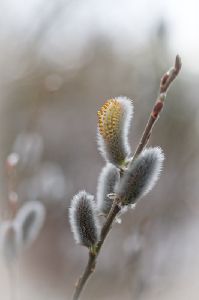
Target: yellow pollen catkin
column 109, row 117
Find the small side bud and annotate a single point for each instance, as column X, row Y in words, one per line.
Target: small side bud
column 10, row 241
column 141, row 176
column 107, row 181
column 30, row 219
column 83, row 219
column 113, row 126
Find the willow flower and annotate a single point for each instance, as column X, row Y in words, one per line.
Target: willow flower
column 113, row 126
column 141, row 176
column 30, row 218
column 10, row 240
column 107, row 181
column 83, row 219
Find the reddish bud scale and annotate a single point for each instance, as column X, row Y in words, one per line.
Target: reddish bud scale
column 157, row 109
column 164, row 79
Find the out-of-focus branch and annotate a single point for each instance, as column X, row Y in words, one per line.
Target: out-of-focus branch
column 165, row 83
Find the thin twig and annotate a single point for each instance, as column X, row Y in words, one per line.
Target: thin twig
column 83, row 279
column 165, row 83
column 93, row 255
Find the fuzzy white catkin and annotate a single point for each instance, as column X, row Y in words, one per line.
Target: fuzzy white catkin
column 113, row 128
column 83, row 219
column 10, row 241
column 141, row 176
column 107, row 181
column 30, row 219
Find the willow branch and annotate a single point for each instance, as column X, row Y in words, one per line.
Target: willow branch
column 165, row 83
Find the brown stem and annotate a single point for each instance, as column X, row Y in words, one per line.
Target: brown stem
column 165, row 83
column 83, row 279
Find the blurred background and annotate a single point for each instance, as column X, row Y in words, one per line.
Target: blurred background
column 59, row 61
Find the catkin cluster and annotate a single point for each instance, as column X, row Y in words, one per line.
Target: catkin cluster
column 124, row 178
column 20, row 232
